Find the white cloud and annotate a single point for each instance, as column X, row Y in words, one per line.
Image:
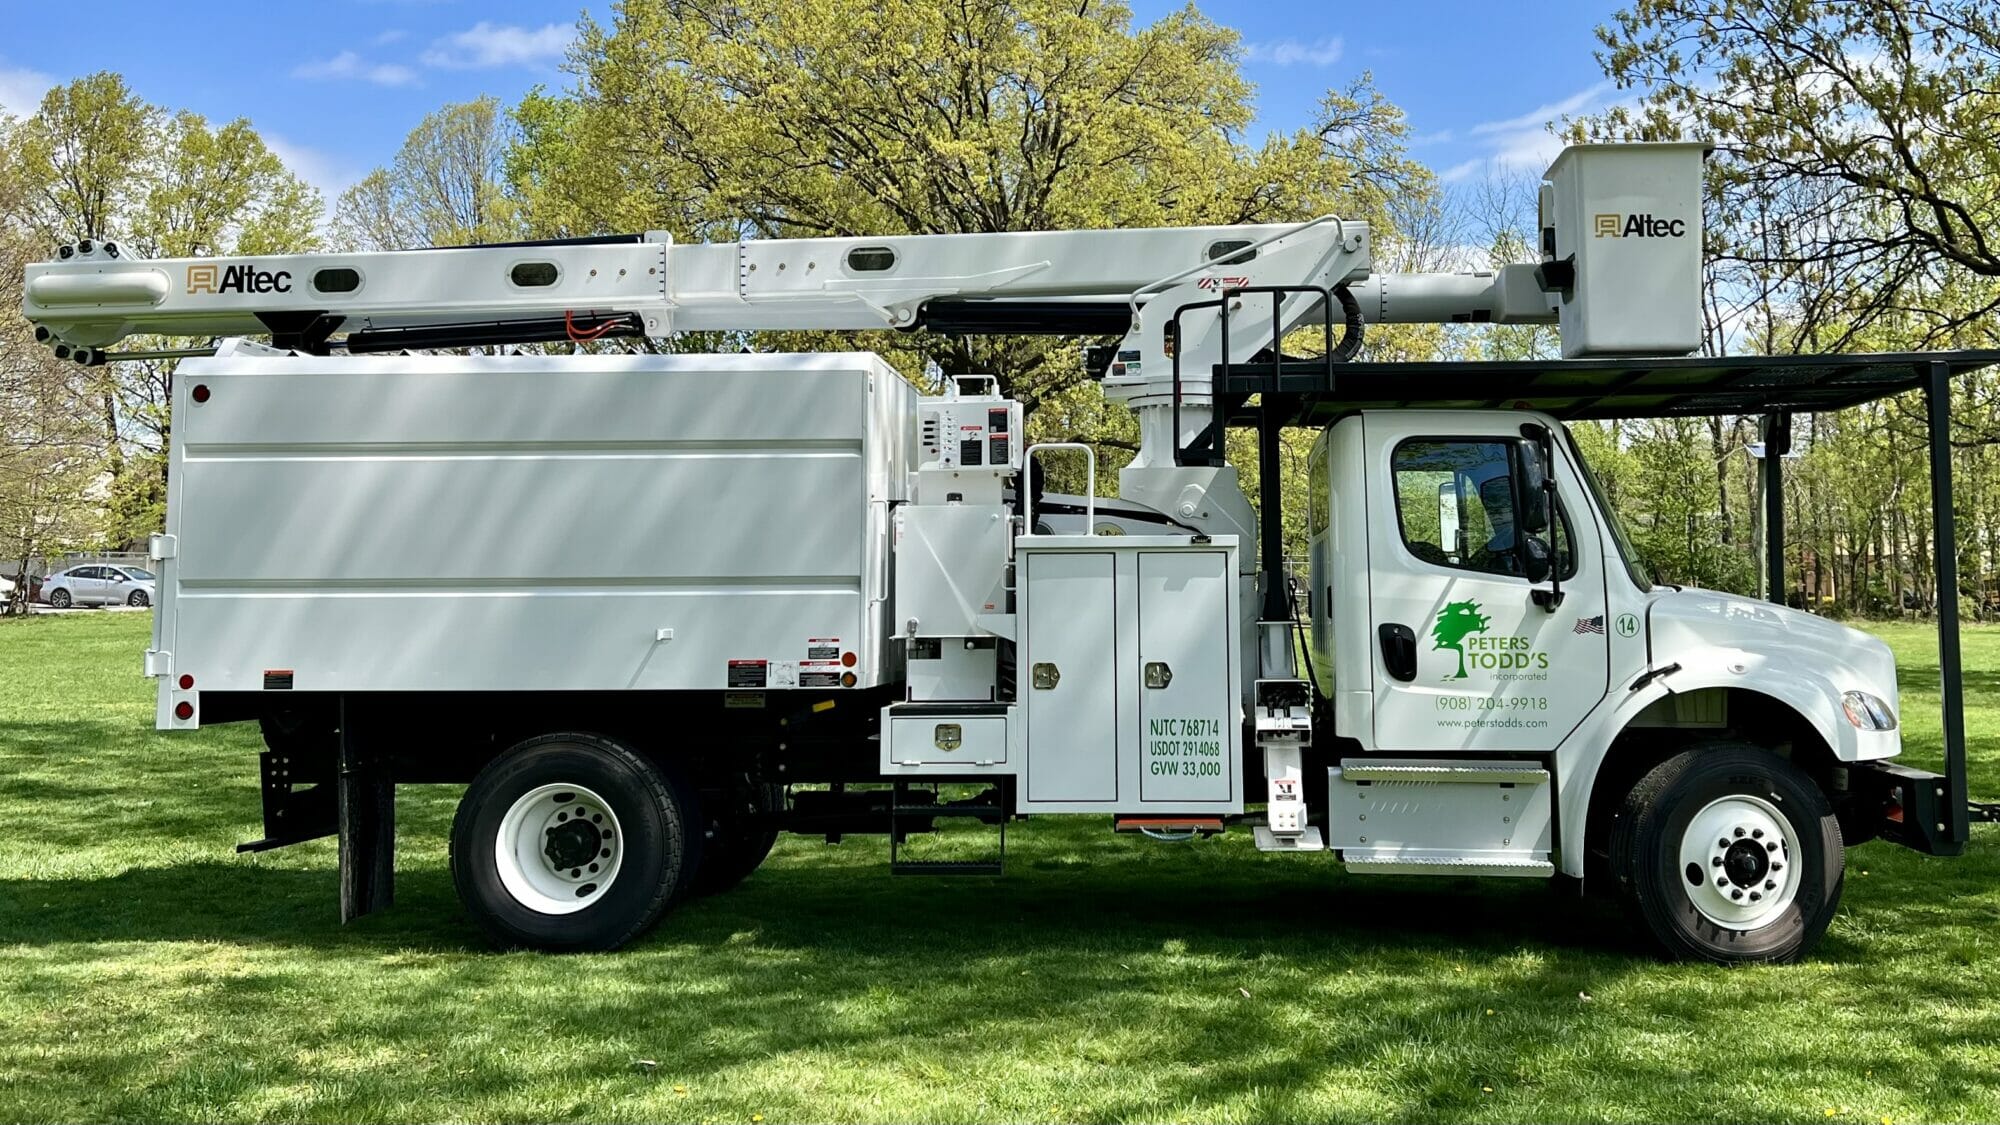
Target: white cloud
column 393, row 35
column 487, row 44
column 21, row 89
column 1523, row 142
column 1292, row 52
column 347, row 64
column 324, row 172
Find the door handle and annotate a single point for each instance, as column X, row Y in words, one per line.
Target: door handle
column 1399, row 651
column 1045, row 676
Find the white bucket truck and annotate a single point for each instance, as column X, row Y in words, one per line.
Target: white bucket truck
column 658, row 608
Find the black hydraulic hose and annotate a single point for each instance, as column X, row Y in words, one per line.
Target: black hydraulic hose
column 1353, row 328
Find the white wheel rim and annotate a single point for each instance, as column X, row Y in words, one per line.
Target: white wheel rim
column 542, row 850
column 1746, row 855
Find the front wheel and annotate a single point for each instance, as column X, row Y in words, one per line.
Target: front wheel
column 572, row 842
column 1728, row 853
column 138, row 599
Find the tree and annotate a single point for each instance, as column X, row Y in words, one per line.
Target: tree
column 445, row 188
column 1870, row 125
column 769, row 118
column 51, row 449
column 95, row 161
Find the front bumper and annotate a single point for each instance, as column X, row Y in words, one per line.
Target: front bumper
column 1911, row 807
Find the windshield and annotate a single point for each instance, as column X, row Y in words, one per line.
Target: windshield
column 1628, row 552
column 140, row 573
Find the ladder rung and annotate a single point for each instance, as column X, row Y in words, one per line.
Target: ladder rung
column 946, row 867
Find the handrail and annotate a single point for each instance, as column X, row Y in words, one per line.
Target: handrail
column 1089, row 486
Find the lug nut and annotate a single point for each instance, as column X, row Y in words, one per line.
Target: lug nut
column 1735, row 892
column 1739, row 832
column 1770, row 845
column 1777, row 866
column 1755, row 895
column 1722, row 843
column 1770, row 884
column 1756, row 833
column 1716, row 862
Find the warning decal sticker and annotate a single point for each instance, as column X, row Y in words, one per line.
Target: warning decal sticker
column 823, row 648
column 819, row 673
column 746, row 673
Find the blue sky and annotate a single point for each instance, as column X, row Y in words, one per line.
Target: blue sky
column 335, row 84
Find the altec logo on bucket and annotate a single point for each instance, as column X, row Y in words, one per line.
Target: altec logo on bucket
column 1613, row 225
column 211, row 278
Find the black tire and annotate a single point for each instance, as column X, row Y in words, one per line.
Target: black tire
column 656, row 816
column 59, row 598
column 1646, row 860
column 731, row 857
column 138, row 598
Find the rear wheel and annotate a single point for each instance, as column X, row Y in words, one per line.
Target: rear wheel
column 1728, row 853
column 60, row 598
column 572, row 842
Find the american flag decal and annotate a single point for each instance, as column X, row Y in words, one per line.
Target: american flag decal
column 1590, row 625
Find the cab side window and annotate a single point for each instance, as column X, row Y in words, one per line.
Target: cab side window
column 1455, row 505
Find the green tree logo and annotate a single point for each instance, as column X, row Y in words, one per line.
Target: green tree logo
column 1455, row 622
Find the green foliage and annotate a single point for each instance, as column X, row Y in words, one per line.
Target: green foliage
column 445, row 188
column 96, row 161
column 776, row 119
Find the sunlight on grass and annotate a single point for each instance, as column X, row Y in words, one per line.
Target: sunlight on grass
column 147, row 972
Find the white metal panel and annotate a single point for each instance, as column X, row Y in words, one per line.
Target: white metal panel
column 489, row 523
column 951, row 567
column 1071, row 635
column 1186, row 693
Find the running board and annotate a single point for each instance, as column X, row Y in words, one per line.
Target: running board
column 1439, row 865
column 1474, row 773
column 1432, row 816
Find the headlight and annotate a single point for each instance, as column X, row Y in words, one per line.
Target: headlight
column 1867, row 711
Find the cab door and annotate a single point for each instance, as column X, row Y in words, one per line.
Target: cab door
column 1470, row 655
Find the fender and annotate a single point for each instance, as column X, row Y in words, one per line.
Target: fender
column 1806, row 691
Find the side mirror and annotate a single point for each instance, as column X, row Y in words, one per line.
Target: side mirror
column 1531, row 485
column 1536, row 560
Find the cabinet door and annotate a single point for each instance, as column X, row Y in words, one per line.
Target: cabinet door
column 1069, row 680
column 1186, row 693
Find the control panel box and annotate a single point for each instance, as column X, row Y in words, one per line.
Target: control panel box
column 969, row 433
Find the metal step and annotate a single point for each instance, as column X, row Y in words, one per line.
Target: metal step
column 1307, row 841
column 946, row 867
column 1449, row 865
column 1480, row 773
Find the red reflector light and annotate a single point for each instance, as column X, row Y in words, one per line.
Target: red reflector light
column 848, row 679
column 849, row 660
column 200, row 393
column 187, row 682
column 183, row 710
column 1894, row 815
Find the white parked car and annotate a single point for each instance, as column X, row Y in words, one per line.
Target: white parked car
column 99, row 584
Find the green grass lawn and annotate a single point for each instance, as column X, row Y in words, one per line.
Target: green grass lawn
column 149, row 973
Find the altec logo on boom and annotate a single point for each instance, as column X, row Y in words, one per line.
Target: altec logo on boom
column 210, row 278
column 1613, row 225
